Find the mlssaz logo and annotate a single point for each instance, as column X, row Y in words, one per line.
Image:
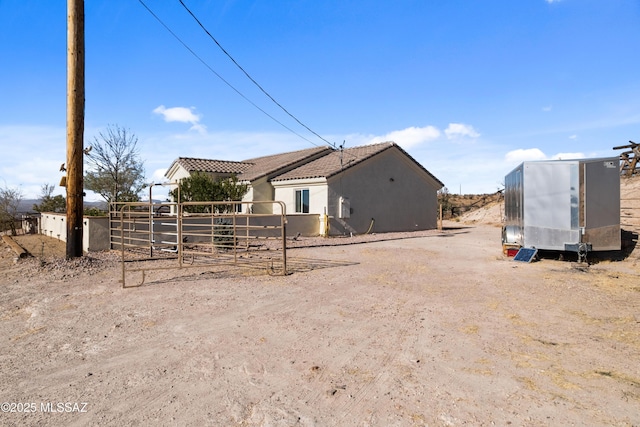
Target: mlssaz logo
column 63, row 407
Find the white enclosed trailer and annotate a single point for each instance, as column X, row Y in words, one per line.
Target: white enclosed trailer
column 564, row 205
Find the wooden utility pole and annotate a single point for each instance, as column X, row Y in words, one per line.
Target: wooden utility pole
column 75, row 125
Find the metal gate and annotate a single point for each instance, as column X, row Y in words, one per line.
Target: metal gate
column 198, row 234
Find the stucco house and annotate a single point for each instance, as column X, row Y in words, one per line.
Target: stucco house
column 375, row 188
column 256, row 172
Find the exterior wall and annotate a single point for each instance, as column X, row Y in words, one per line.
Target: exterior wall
column 390, row 189
column 54, row 225
column 180, row 174
column 247, row 198
column 261, row 190
column 95, row 236
column 285, row 191
column 95, row 233
column 304, row 224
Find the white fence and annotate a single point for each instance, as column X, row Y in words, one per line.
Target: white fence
column 95, row 234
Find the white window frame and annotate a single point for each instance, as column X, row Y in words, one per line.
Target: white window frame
column 299, row 207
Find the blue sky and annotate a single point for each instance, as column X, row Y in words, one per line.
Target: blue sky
column 469, row 88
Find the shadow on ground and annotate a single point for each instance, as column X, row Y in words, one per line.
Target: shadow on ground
column 629, row 241
column 144, row 276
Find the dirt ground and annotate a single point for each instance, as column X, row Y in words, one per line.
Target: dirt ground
column 432, row 328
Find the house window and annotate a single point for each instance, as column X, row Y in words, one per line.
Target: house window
column 302, row 201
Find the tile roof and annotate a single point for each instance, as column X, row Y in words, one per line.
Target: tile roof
column 329, row 165
column 252, row 169
column 278, row 163
column 317, row 162
column 212, row 166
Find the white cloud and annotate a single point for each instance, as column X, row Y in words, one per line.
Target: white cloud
column 177, row 114
column 553, row 1
column 159, row 192
column 574, row 137
column 568, row 156
column 547, row 108
column 409, row 137
column 35, row 158
column 199, row 128
column 522, row 155
column 158, row 175
column 460, row 130
column 182, row 115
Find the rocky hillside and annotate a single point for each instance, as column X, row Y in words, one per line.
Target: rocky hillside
column 456, row 205
column 630, row 204
column 493, row 211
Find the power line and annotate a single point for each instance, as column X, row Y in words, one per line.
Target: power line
column 226, row 82
column 249, row 76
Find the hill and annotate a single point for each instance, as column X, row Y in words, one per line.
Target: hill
column 26, row 205
column 489, row 209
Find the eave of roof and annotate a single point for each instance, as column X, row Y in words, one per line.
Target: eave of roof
column 421, row 167
column 333, row 163
column 339, row 161
column 280, row 163
column 192, row 164
column 317, row 162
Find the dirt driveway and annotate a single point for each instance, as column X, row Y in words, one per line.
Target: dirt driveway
column 437, row 330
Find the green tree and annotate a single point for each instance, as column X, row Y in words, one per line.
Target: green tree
column 94, row 212
column 201, row 187
column 10, row 199
column 231, row 189
column 115, row 170
column 50, row 203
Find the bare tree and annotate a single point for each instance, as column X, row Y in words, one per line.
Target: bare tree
column 10, row 199
column 115, row 170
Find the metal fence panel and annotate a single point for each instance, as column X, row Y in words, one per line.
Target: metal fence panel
column 198, row 234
